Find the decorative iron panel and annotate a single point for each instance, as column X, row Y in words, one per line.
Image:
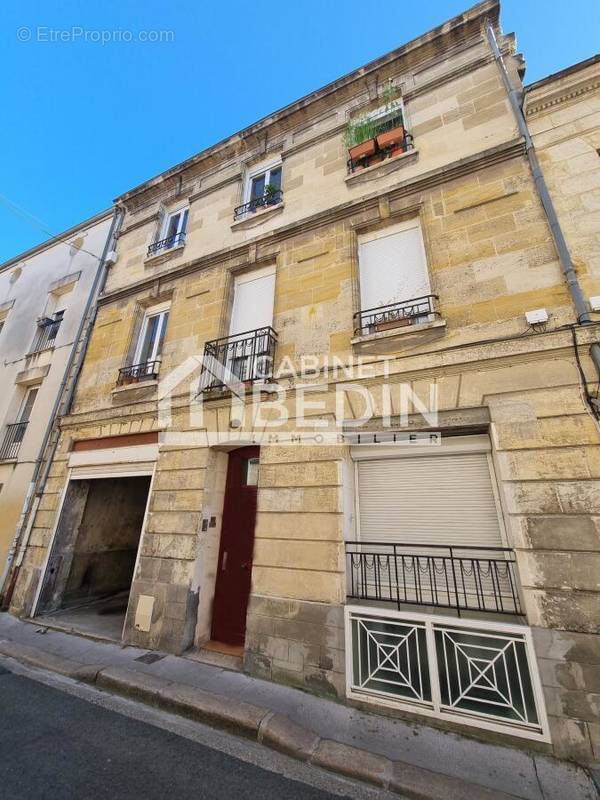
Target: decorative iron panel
column 481, row 674
column 390, row 658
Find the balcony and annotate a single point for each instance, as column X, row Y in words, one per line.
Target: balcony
column 241, row 359
column 13, row 437
column 266, row 200
column 147, row 371
column 396, row 315
column 46, row 335
column 177, row 240
column 481, row 579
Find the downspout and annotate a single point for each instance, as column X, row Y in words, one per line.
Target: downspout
column 581, row 308
column 32, row 499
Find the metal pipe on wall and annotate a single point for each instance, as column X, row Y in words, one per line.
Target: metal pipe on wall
column 579, row 301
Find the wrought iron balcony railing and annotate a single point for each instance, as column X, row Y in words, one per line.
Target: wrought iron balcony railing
column 265, row 200
column 395, row 315
column 166, row 244
column 146, row 371
column 13, row 436
column 461, row 578
column 245, row 357
column 46, row 335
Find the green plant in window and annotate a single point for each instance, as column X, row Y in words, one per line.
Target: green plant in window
column 359, row 130
column 390, row 96
column 271, row 193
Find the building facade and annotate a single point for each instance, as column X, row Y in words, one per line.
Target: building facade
column 335, row 419
column 43, row 296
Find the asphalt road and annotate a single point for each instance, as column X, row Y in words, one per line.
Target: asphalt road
column 57, row 746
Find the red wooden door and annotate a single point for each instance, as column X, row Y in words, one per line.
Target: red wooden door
column 234, row 570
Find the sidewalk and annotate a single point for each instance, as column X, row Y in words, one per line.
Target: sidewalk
column 392, row 753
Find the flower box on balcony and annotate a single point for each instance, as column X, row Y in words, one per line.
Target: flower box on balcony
column 362, row 150
column 392, row 323
column 392, row 138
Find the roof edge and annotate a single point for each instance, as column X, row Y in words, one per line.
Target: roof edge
column 487, row 8
column 58, row 238
column 563, row 73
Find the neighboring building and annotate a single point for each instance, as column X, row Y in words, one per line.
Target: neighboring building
column 454, row 581
column 563, row 115
column 43, row 296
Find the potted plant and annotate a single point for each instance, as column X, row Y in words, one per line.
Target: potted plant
column 359, row 138
column 271, row 195
column 392, row 138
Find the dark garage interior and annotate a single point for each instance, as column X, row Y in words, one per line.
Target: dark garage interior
column 91, row 569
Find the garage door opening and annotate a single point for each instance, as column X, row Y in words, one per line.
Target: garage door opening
column 89, row 573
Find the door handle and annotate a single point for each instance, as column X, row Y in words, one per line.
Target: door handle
column 244, row 565
column 224, row 561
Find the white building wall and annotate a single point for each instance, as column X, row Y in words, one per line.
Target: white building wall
column 55, row 276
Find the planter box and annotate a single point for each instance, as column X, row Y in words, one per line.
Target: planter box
column 391, row 138
column 392, row 323
column 363, row 149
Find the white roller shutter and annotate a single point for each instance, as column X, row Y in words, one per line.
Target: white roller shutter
column 392, row 266
column 441, row 499
column 253, row 301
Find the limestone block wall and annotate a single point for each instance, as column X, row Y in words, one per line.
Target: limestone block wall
column 295, row 619
column 563, row 114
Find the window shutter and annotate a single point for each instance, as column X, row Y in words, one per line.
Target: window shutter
column 162, row 211
column 392, row 267
column 441, row 499
column 253, row 296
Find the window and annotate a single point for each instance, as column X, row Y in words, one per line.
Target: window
column 27, row 406
column 394, row 282
column 48, row 328
column 15, row 432
column 251, row 472
column 147, row 354
column 253, row 295
column 152, row 336
column 434, row 510
column 263, row 189
column 378, row 135
column 250, row 333
column 171, row 231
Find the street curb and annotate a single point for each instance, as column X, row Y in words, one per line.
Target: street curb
column 261, row 724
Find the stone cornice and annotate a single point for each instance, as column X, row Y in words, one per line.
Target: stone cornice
column 421, row 183
column 564, row 95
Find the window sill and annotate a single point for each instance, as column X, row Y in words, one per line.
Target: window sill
column 255, row 218
column 382, row 339
column 383, row 168
column 134, row 388
column 163, row 255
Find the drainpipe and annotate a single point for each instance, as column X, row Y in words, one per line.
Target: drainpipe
column 581, row 308
column 65, row 392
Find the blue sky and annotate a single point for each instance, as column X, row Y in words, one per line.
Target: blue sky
column 85, row 121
